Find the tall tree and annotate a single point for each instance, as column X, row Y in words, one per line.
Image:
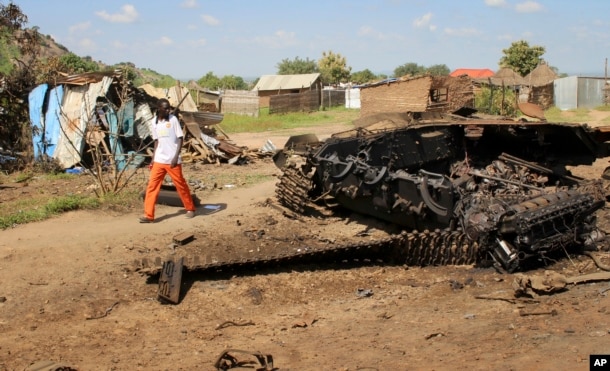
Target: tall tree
column 522, row 57
column 362, row 77
column 438, row 70
column 210, row 81
column 19, row 48
column 72, row 63
column 333, row 68
column 296, row 66
column 412, row 69
column 233, row 82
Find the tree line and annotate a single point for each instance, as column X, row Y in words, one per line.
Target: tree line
column 22, row 68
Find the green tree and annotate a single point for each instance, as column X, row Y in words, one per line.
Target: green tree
column 496, row 101
column 210, row 81
column 8, row 52
column 233, row 82
column 72, row 63
column 296, row 66
column 411, row 69
column 333, row 68
column 522, row 57
column 19, row 49
column 438, row 70
column 362, row 77
column 12, row 21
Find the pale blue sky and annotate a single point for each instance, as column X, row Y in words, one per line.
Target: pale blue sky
column 188, row 38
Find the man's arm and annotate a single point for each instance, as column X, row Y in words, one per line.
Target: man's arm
column 177, row 154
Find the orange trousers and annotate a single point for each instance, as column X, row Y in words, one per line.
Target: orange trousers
column 157, row 174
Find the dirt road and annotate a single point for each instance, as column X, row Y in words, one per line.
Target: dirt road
column 69, row 293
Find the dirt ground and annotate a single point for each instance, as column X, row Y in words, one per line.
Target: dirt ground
column 69, row 293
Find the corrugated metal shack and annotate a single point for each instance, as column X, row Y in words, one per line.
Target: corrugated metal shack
column 416, row 94
column 579, row 92
column 81, row 116
column 270, row 85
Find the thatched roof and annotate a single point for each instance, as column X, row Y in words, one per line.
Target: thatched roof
column 507, row 77
column 540, row 76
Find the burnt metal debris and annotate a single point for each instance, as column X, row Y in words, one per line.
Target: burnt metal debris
column 502, row 185
column 170, row 281
column 463, row 190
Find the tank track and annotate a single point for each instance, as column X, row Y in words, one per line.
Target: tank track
column 415, row 248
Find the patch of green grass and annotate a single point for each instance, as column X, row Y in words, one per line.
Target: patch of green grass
column 31, row 210
column 232, row 123
column 605, row 108
column 554, row 114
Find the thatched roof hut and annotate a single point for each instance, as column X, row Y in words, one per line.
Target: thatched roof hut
column 540, row 76
column 507, row 77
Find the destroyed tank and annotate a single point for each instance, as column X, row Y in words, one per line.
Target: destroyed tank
column 463, row 189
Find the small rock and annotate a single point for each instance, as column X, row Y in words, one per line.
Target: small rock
column 469, row 316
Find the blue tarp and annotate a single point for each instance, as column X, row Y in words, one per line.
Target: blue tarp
column 52, row 127
column 36, row 102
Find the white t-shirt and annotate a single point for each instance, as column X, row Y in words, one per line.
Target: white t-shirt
column 167, row 133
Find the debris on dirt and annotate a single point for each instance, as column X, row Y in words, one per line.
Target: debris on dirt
column 106, row 312
column 434, row 335
column 233, row 323
column 307, row 320
column 523, row 313
column 227, row 361
column 49, row 366
column 170, row 281
column 183, row 238
column 364, row 293
column 552, row 282
column 533, row 286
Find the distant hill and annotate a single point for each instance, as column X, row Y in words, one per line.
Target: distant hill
column 50, row 48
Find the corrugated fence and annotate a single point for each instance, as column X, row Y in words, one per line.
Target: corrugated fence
column 308, row 101
column 241, row 102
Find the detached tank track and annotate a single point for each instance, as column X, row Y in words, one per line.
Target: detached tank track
column 411, row 248
column 438, row 247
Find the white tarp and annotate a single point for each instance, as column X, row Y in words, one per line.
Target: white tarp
column 77, row 109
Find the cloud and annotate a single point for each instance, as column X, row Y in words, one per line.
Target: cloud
column 86, row 44
column 210, row 20
column 164, row 40
column 465, row 31
column 369, row 31
column 528, row 7
column 117, row 44
column 128, row 14
column 189, row 4
column 424, row 22
column 198, row 42
column 279, row 39
column 79, row 27
column 495, row 3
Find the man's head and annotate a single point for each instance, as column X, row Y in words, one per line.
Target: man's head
column 163, row 108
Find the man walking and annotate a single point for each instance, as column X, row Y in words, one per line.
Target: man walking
column 168, row 137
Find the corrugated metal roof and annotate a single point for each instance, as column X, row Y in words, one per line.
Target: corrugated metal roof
column 286, row 82
column 472, row 72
